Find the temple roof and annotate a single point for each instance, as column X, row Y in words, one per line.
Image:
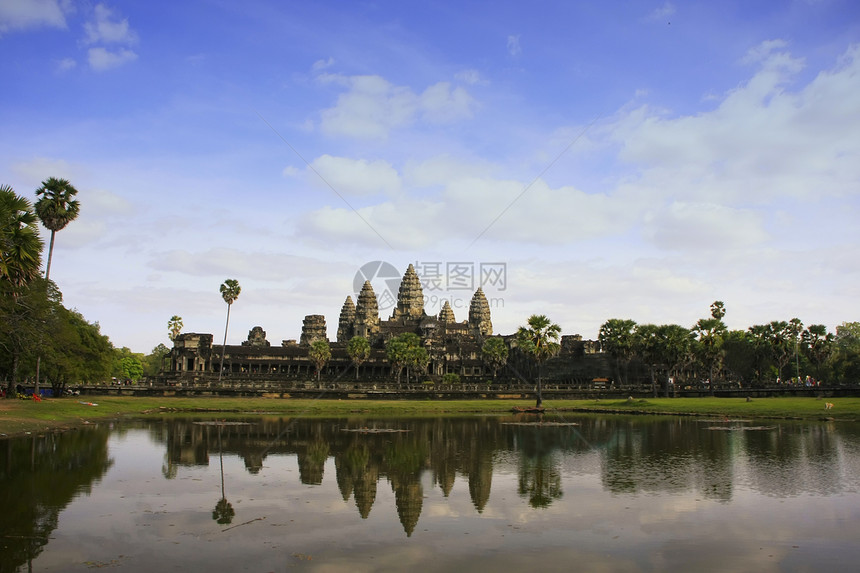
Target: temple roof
column 447, row 313
column 410, row 297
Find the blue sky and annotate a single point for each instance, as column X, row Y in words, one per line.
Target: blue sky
column 618, row 160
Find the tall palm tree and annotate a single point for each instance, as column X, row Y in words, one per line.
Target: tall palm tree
column 230, row 290
column 20, row 245
column 358, row 349
column 320, row 353
column 174, row 326
column 539, row 338
column 20, row 259
column 56, row 208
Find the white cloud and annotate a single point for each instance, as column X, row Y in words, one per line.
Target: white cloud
column 23, row 14
column 705, row 226
column 66, row 64
column 101, row 59
column 467, row 207
column 107, row 29
column 242, row 264
column 698, row 182
column 357, row 176
column 373, row 107
column 40, row 168
column 471, row 77
column 514, row 47
column 663, row 12
column 762, row 142
column 322, row 64
column 441, row 104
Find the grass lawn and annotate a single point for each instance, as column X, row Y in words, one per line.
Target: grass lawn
column 21, row 416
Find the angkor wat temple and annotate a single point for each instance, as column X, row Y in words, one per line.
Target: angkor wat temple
column 453, row 347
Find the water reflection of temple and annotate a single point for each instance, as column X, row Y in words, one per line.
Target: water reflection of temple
column 630, row 456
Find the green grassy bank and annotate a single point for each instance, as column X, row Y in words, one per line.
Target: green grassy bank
column 21, row 416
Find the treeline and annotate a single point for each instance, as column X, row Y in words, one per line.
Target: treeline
column 41, row 340
column 709, row 354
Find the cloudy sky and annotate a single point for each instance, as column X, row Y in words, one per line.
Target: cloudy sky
column 629, row 159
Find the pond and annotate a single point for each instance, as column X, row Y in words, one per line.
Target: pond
column 480, row 493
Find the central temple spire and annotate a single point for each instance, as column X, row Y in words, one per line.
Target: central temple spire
column 410, row 297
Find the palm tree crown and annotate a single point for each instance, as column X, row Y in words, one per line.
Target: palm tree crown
column 230, row 290
column 539, row 338
column 174, row 326
column 20, row 245
column 56, row 208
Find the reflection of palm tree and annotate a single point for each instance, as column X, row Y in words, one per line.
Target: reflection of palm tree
column 540, row 480
column 539, row 474
column 223, row 512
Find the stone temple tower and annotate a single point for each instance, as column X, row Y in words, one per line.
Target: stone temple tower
column 313, row 328
column 480, row 322
column 345, row 324
column 447, row 313
column 410, row 297
column 366, row 312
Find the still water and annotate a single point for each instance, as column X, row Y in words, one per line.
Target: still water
column 576, row 493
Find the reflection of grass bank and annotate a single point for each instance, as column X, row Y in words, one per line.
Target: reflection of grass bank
column 18, row 416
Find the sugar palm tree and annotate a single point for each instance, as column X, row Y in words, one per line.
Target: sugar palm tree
column 20, row 259
column 230, row 290
column 539, row 338
column 320, row 353
column 358, row 349
column 495, row 354
column 20, row 245
column 174, row 326
column 56, row 208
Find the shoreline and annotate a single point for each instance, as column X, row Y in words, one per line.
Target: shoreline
column 26, row 417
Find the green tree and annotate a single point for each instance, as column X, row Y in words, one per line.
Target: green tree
column 817, row 346
column 740, row 358
column 495, row 354
column 174, row 326
column 319, row 353
column 127, row 365
column 358, row 349
column 77, row 352
column 711, row 333
column 650, row 346
column 56, row 208
column 27, row 312
column 781, row 336
column 617, row 340
column 678, row 348
column 406, row 351
column 20, row 245
column 759, row 335
column 153, row 363
column 845, row 360
column 230, row 290
column 539, row 338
